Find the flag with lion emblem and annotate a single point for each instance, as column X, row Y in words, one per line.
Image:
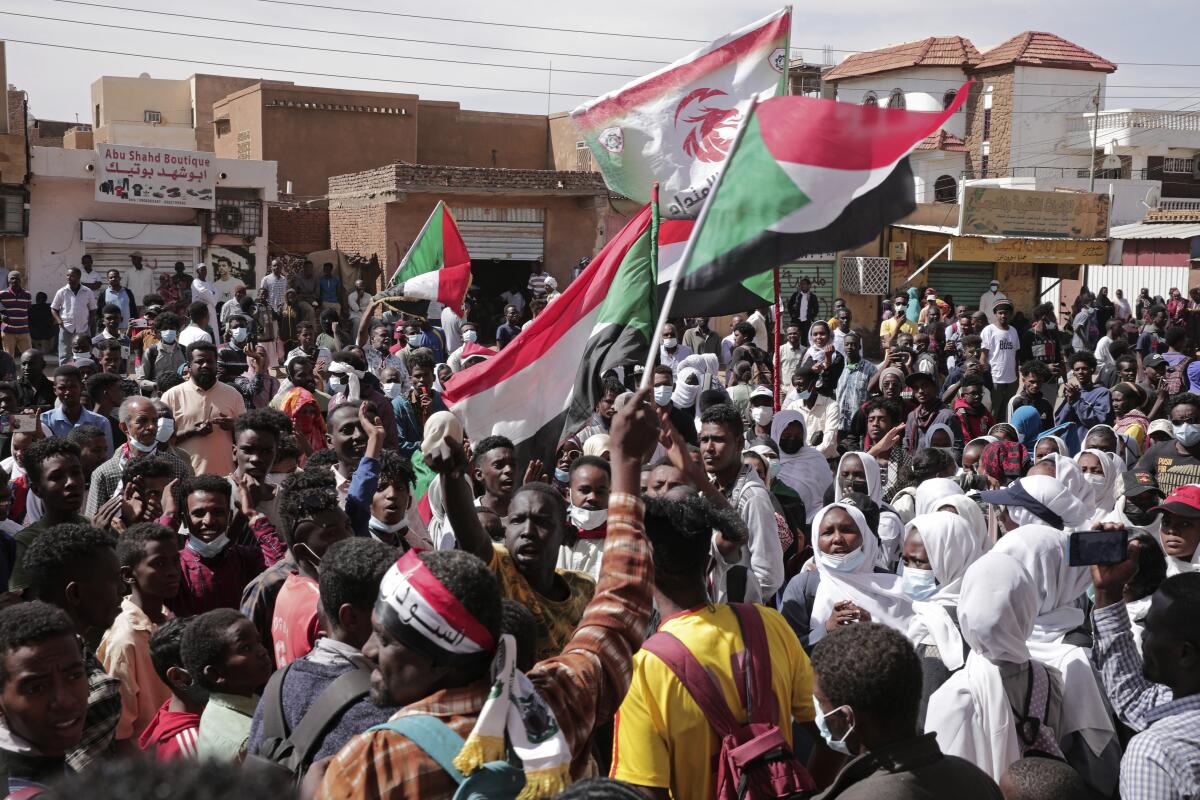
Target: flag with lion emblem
column 675, row 126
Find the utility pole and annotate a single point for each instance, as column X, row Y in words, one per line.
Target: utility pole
column 1095, row 138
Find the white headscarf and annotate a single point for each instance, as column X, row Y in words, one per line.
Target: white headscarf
column 933, row 490
column 1068, row 473
column 769, row 457
column 1102, row 494
column 969, row 510
column 805, row 472
column 1055, row 496
column 877, row 593
column 970, row 712
column 891, row 529
column 353, row 378
column 685, row 394
column 1042, row 550
column 1059, row 444
column 951, row 548
column 934, row 428
column 703, row 363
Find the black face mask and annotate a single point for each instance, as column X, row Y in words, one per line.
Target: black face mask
column 791, row 446
column 1139, row 517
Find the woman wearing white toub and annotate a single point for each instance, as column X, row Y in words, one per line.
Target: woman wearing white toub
column 205, row 291
column 1060, row 640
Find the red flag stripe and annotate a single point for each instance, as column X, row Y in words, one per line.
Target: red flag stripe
column 827, row 133
column 683, row 75
column 674, row 231
column 582, row 297
column 454, row 249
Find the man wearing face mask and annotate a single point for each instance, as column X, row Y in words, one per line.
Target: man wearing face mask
column 138, row 420
column 667, row 395
column 671, row 352
column 353, row 383
column 587, row 515
column 867, row 693
column 165, row 356
column 762, row 411
column 821, row 416
column 215, row 570
column 470, row 335
column 702, row 339
column 899, row 323
column 1175, row 463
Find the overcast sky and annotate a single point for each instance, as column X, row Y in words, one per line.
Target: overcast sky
column 58, row 80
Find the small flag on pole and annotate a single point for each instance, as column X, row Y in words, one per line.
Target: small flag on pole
column 437, row 266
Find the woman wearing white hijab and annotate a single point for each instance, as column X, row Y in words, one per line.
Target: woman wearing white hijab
column 969, row 510
column 1068, row 473
column 933, row 490
column 938, row 548
column 859, row 472
column 1057, row 641
column 1054, row 444
column 686, row 394
column 972, row 713
column 846, row 587
column 1038, row 500
column 1100, row 472
column 804, row 470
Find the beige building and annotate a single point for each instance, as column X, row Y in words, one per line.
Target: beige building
column 159, row 112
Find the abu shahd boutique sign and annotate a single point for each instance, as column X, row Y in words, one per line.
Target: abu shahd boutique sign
column 151, row 176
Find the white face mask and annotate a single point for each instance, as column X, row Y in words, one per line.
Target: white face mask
column 377, row 524
column 336, row 385
column 762, row 415
column 392, row 389
column 671, row 343
column 166, row 429
column 837, row 745
column 842, row 563
column 687, row 394
column 207, row 549
column 919, row 584
column 1187, row 433
column 240, row 335
column 662, row 395
column 276, row 478
column 1094, row 479
column 470, row 335
column 144, row 448
column 587, row 519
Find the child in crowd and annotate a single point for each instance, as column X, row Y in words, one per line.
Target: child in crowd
column 313, row 521
column 149, row 557
column 173, row 732
column 223, row 654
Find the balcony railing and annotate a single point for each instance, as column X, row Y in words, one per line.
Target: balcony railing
column 1179, row 205
column 1161, row 120
column 1057, row 172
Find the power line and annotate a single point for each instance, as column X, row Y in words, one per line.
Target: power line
column 382, row 37
column 538, row 92
column 317, row 48
column 483, row 22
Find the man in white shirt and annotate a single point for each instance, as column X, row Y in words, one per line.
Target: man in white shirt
column 198, row 330
column 670, row 351
column 452, row 326
column 1000, row 347
column 72, row 307
column 138, row 279
column 988, row 299
column 791, row 353
column 759, row 320
column 276, row 285
column 204, row 291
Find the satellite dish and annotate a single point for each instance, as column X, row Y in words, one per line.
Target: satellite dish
column 1112, row 162
column 1153, row 196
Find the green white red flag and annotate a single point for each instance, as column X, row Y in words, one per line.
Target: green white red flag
column 437, row 266
column 543, row 386
column 806, row 176
column 675, row 126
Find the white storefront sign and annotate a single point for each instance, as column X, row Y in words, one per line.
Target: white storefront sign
column 155, row 177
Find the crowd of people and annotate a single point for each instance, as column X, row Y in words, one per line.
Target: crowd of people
column 248, row 545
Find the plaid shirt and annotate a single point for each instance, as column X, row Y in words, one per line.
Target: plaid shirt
column 1163, row 760
column 584, row 685
column 103, row 712
column 218, row 582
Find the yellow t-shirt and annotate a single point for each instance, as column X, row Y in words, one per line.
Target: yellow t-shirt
column 556, row 619
column 662, row 739
column 889, row 327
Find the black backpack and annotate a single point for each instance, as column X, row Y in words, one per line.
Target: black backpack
column 292, row 751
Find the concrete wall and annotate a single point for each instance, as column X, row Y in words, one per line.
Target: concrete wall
column 119, row 106
column 923, row 87
column 448, row 135
column 1039, row 123
column 564, row 137
column 206, row 91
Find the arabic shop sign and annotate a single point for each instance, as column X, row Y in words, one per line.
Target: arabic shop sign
column 149, row 176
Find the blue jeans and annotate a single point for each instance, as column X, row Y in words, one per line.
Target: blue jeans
column 64, row 345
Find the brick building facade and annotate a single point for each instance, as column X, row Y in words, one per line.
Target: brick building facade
column 297, row 230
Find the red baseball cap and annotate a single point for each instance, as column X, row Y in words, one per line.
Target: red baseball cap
column 1184, row 501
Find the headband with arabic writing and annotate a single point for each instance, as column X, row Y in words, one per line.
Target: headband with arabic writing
column 420, row 611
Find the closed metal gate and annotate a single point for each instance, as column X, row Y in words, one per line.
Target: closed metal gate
column 503, row 234
column 964, row 281
column 822, row 274
column 159, row 259
column 1131, row 280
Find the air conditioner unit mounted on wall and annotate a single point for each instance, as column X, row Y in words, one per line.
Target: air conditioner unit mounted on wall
column 153, row 117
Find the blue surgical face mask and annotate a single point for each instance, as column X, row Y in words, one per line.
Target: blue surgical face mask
column 836, row 745
column 561, row 475
column 208, row 549
column 168, row 337
column 919, row 584
column 470, row 335
column 240, row 335
column 1187, row 433
column 849, row 562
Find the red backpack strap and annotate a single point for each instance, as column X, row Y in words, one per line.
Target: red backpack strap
column 695, row 679
column 760, row 692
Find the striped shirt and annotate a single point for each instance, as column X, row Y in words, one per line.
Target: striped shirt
column 1163, row 760
column 537, row 284
column 583, row 686
column 15, row 306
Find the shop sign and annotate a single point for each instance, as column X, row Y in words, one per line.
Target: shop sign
column 150, row 176
column 986, row 211
column 1028, row 251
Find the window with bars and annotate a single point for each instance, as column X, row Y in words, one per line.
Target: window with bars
column 896, row 99
column 1179, row 165
column 870, row 99
column 583, row 157
column 12, row 212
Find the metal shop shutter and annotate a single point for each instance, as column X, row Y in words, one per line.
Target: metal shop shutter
column 503, row 234
column 823, row 275
column 1132, row 279
column 155, row 257
column 965, row 281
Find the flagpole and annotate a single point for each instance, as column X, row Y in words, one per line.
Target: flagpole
column 418, row 238
column 690, row 246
